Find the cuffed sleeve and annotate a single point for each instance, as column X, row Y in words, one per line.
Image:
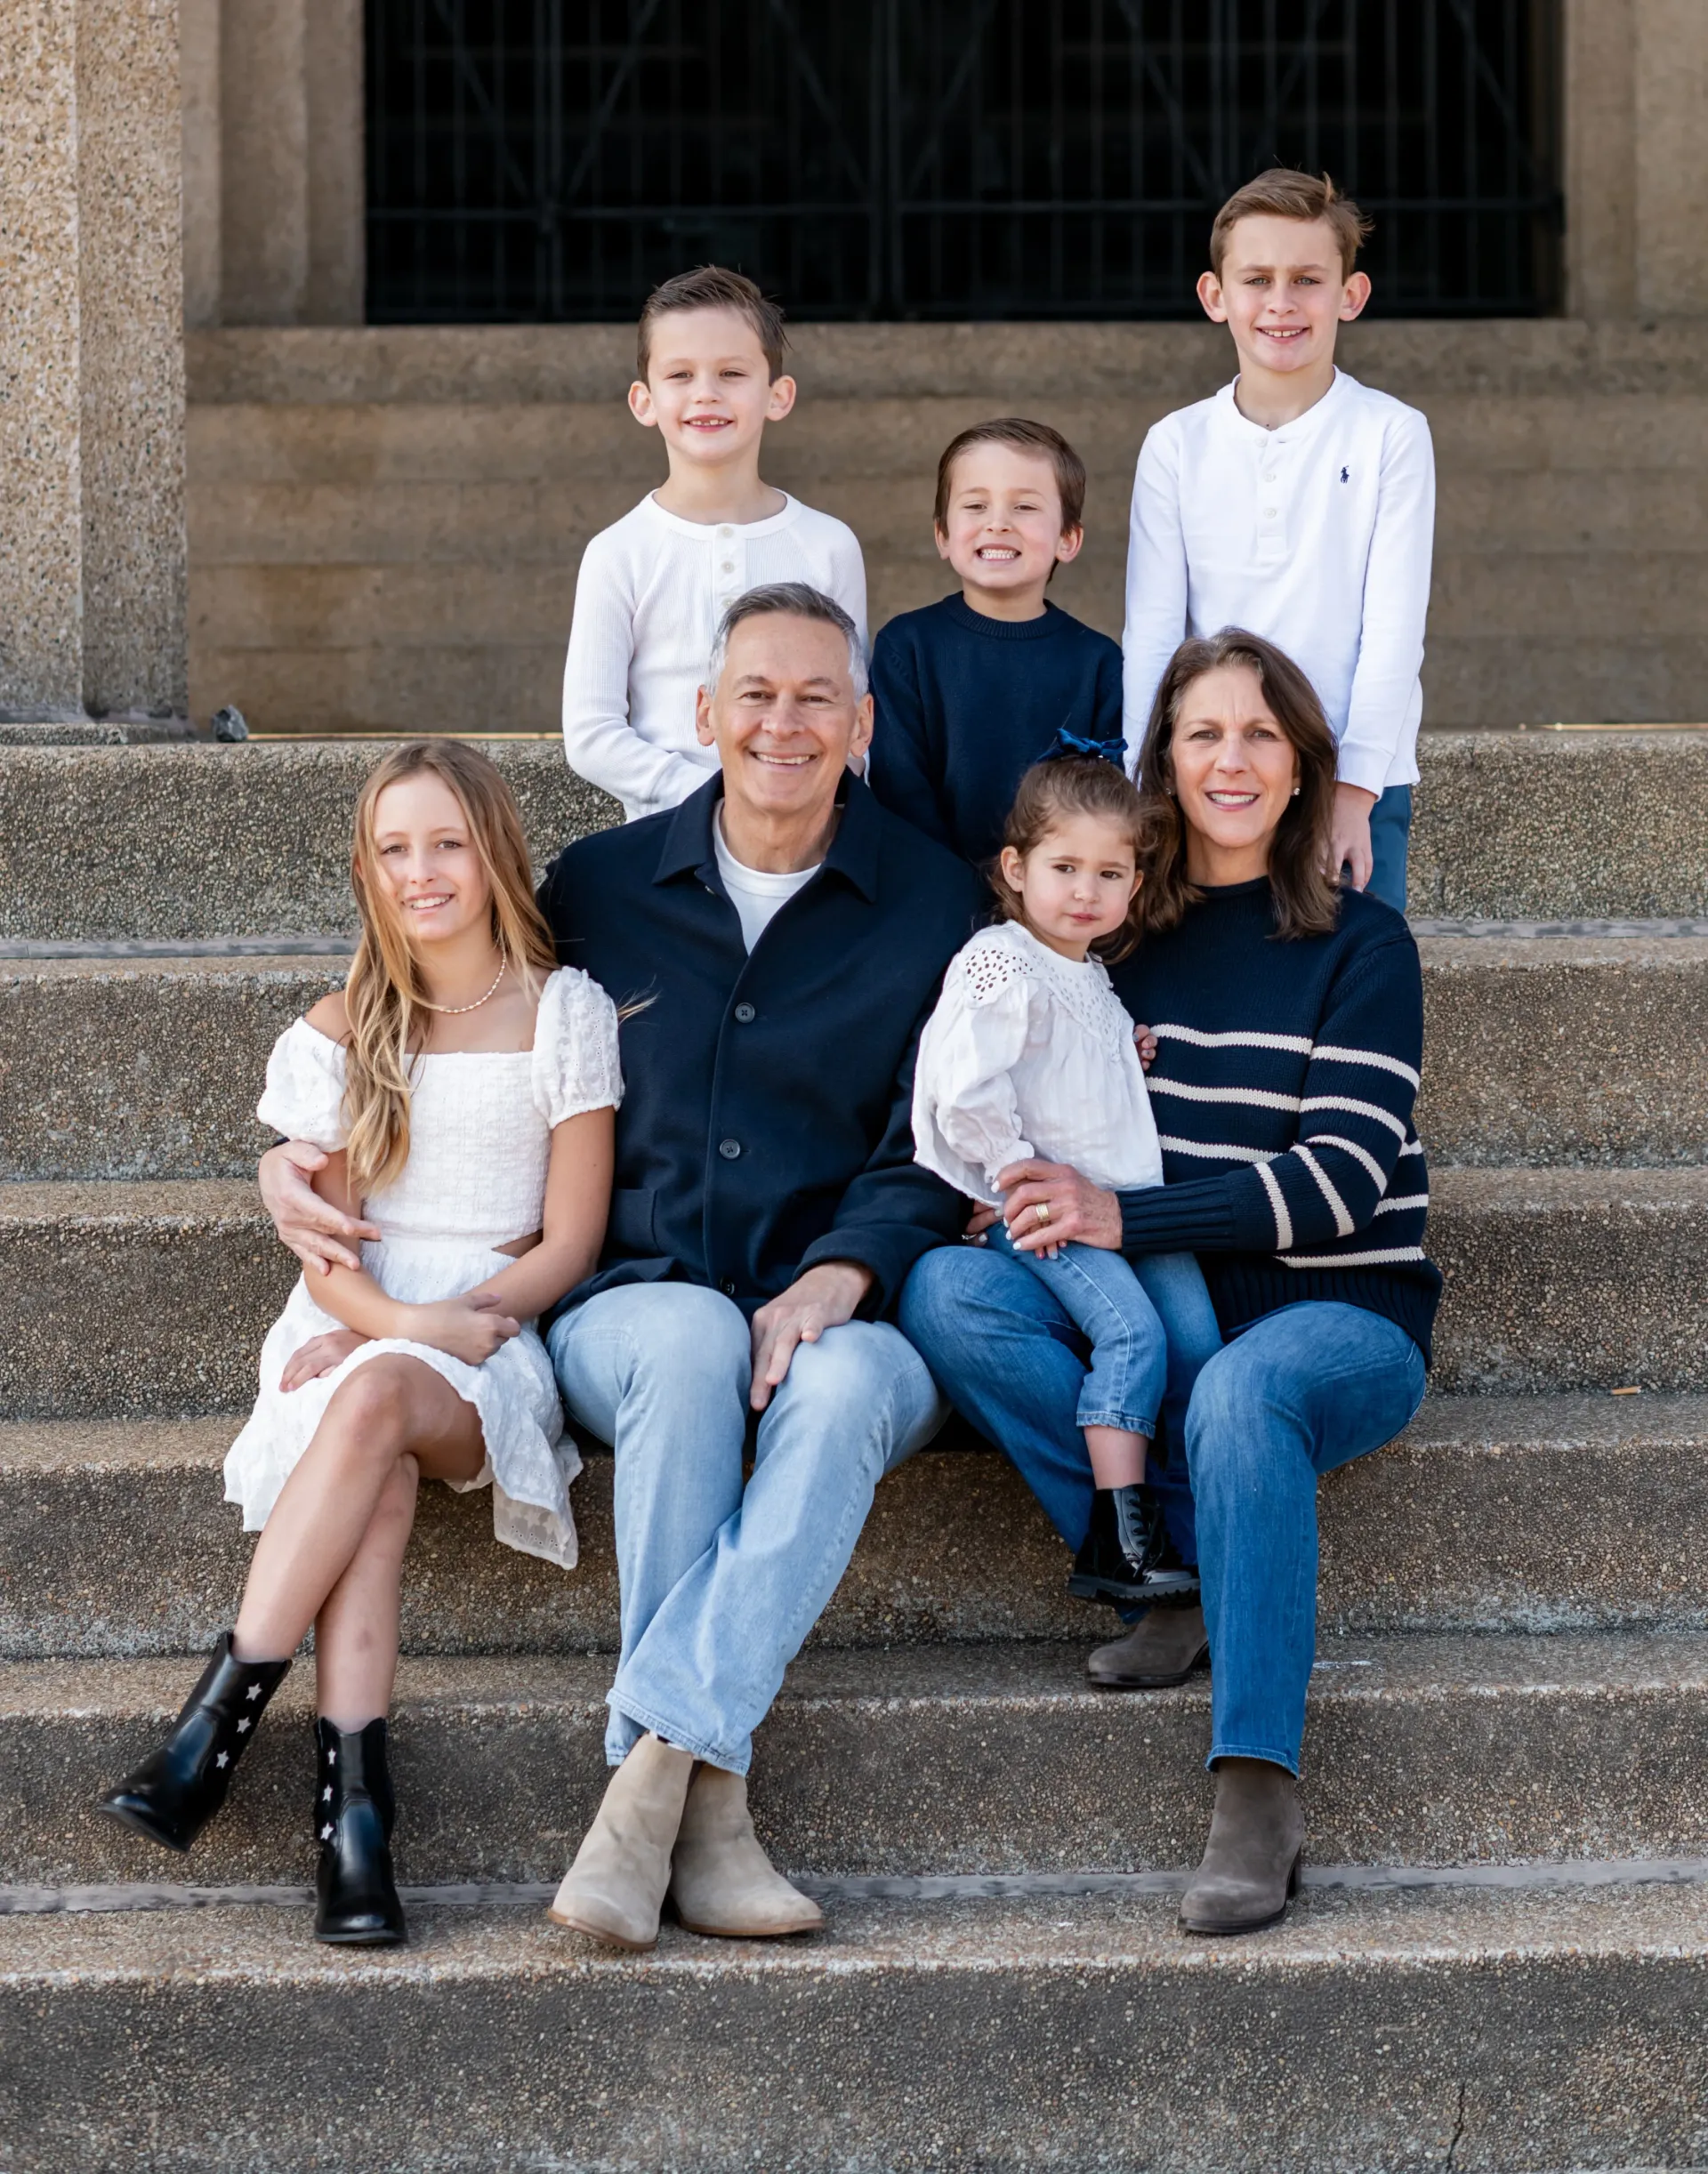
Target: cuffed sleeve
column 1396, row 605
column 904, row 775
column 1156, row 581
column 601, row 744
column 967, row 1124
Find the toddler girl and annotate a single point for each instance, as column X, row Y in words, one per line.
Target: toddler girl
column 1030, row 1052
column 463, row 1091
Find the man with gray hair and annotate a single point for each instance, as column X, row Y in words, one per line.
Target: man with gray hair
column 784, row 937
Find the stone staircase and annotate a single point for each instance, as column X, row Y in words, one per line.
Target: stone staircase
column 385, row 523
column 1500, row 1957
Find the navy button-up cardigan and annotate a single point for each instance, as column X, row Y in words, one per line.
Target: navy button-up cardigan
column 766, row 1123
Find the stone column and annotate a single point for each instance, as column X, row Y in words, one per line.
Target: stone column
column 1671, row 161
column 291, row 183
column 91, row 375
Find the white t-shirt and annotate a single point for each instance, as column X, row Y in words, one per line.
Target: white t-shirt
column 755, row 895
column 1317, row 536
column 1029, row 1053
column 651, row 590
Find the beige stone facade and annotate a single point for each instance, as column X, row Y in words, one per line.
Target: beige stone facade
column 92, row 360
column 384, row 524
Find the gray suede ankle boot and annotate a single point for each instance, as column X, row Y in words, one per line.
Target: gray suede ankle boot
column 1250, row 1861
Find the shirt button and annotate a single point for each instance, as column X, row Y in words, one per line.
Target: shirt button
column 1269, row 513
column 727, row 1286
column 728, row 1149
column 726, row 532
column 729, row 567
column 744, row 1013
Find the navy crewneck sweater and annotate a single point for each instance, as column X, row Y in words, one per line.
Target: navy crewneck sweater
column 1283, row 1090
column 966, row 704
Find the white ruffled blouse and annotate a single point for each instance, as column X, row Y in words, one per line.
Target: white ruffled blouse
column 1029, row 1054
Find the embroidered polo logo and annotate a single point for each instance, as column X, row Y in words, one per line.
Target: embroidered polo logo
column 1346, row 476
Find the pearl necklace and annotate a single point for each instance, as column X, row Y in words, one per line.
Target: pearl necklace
column 454, row 1011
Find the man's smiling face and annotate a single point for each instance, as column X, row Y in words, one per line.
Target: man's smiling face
column 783, row 716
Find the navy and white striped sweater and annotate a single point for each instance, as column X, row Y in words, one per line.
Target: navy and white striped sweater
column 1283, row 1090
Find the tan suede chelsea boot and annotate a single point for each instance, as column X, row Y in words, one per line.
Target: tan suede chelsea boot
column 616, row 1887
column 721, row 1882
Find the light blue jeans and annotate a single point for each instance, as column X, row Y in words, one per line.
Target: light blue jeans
column 1008, row 1358
column 721, row 1584
column 1132, row 1316
column 1289, row 1398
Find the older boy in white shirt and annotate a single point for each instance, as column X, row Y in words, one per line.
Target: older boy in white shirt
column 654, row 585
column 1299, row 505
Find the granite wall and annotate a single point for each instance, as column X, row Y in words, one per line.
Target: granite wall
column 92, row 595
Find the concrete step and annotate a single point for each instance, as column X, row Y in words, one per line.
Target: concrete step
column 1510, row 825
column 132, row 1299
column 1563, row 1050
column 1534, row 1514
column 965, row 1759
column 1403, row 2027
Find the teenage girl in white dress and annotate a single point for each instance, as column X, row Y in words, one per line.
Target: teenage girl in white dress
column 1030, row 1052
column 464, row 1088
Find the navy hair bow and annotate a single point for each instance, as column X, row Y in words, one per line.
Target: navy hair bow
column 1069, row 743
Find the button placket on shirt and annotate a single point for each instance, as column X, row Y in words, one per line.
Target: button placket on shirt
column 1272, row 503
column 729, row 567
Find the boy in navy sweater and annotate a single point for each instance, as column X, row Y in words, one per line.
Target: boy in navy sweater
column 971, row 691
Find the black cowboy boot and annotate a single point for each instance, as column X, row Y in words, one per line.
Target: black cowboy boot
column 176, row 1791
column 354, row 1810
column 1127, row 1553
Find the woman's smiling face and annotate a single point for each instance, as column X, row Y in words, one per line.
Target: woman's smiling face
column 1234, row 772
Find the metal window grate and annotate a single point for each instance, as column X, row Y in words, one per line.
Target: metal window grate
column 553, row 159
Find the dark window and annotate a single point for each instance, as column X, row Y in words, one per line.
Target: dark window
column 553, row 159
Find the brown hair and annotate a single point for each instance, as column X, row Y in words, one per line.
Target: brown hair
column 709, row 287
column 1076, row 786
column 1284, row 193
column 384, row 996
column 1307, row 901
column 1035, row 438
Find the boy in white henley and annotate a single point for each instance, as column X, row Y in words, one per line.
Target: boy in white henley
column 654, row 585
column 1299, row 505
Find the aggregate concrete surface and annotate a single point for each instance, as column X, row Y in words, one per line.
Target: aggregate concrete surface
column 1509, row 826
column 1394, row 2031
column 999, row 1758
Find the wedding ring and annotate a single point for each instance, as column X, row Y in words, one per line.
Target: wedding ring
column 1042, row 1212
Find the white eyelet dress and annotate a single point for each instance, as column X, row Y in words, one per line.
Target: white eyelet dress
column 480, row 1139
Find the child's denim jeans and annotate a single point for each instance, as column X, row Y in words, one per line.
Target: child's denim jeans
column 1133, row 1314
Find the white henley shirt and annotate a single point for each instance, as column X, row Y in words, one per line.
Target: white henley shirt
column 1317, row 536
column 651, row 590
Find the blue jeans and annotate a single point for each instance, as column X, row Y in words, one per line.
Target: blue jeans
column 1290, row 1398
column 1009, row 1356
column 720, row 1585
column 1132, row 1318
column 1390, row 834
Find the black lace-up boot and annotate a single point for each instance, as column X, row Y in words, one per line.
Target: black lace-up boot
column 1127, row 1554
column 354, row 1811
column 176, row 1791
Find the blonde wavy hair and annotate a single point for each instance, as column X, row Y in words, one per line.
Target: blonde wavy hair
column 385, row 998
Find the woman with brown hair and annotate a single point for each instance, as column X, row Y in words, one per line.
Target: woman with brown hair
column 462, row 1089
column 1288, row 1016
